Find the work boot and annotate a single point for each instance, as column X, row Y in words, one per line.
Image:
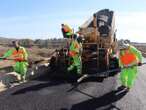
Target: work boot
column 120, row 90
column 127, row 89
column 123, row 87
column 8, row 86
column 70, row 68
column 78, row 71
column 23, row 79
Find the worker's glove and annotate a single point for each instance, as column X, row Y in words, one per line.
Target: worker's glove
column 2, row 58
column 139, row 64
column 128, row 66
column 72, row 53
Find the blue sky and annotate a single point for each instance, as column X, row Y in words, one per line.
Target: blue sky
column 42, row 18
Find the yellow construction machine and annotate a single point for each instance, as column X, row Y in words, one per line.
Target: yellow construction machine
column 99, row 47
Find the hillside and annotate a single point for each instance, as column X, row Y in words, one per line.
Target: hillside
column 4, row 40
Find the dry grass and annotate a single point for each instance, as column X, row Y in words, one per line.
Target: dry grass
column 36, row 53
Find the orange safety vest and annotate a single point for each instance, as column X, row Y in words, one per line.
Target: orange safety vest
column 73, row 49
column 128, row 57
column 18, row 55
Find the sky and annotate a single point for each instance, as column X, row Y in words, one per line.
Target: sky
column 39, row 19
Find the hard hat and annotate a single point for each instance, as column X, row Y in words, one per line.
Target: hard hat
column 123, row 44
column 127, row 41
column 62, row 24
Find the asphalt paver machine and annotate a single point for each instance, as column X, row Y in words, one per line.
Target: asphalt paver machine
column 99, row 47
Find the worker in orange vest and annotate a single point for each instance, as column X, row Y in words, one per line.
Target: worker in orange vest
column 128, row 56
column 75, row 55
column 19, row 55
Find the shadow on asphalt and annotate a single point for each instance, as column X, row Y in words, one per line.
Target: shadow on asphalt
column 106, row 100
column 58, row 77
column 37, row 87
column 46, row 81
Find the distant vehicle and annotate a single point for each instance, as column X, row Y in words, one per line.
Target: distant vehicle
column 99, row 47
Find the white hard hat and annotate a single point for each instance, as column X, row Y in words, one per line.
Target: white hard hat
column 123, row 44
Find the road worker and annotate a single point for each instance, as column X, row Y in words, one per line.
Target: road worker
column 19, row 55
column 128, row 56
column 75, row 55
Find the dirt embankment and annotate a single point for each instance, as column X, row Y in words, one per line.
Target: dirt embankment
column 142, row 49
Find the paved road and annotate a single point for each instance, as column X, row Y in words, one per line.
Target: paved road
column 136, row 98
column 44, row 94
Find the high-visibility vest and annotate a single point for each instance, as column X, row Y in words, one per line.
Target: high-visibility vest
column 19, row 55
column 74, row 48
column 127, row 57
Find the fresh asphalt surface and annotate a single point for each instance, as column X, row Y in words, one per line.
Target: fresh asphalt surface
column 45, row 94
